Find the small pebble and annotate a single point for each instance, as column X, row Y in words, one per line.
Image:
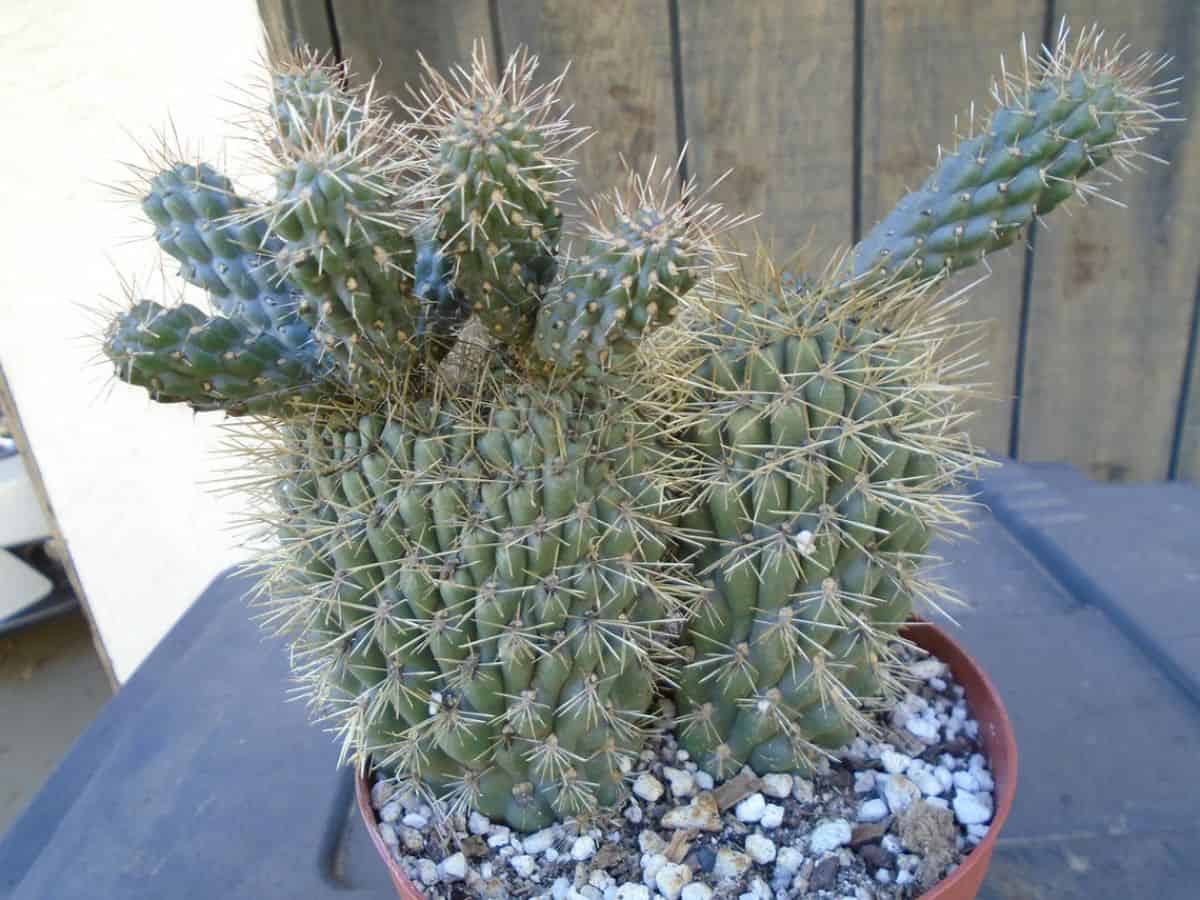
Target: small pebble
column 874, row 810
column 759, row 889
column 478, row 823
column 388, row 833
column 681, row 781
column 539, row 841
column 648, row 787
column 927, row 782
column 751, row 809
column 829, row 836
column 413, row 840
column 864, row 782
column 760, row 848
column 883, row 876
column 523, row 864
column 671, row 880
column 966, row 781
column 631, row 891
column 651, row 863
column 584, row 848
column 778, row 785
column 928, row 668
column 381, row 793
column 922, row 729
column 696, row 891
column 972, row 809
column 633, row 813
column 900, row 793
column 730, row 864
column 427, row 871
column 704, row 781
column 894, row 763
column 789, row 859
column 772, row 816
column 454, row 867
column 390, row 811
column 415, row 820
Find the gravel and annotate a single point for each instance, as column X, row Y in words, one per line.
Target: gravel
column 886, row 818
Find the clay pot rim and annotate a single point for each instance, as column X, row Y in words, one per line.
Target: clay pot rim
column 1000, row 744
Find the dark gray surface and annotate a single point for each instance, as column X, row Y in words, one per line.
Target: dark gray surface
column 197, row 781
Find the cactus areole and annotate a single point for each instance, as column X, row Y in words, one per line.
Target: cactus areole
column 518, row 481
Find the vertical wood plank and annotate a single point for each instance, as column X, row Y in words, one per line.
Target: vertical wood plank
column 297, row 23
column 620, row 81
column 923, row 65
column 384, row 36
column 1113, row 289
column 768, row 90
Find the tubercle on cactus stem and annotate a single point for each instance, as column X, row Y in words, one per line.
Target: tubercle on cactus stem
column 510, row 492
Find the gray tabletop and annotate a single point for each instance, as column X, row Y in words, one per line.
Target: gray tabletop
column 198, row 781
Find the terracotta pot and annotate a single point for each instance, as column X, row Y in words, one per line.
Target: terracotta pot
column 995, row 733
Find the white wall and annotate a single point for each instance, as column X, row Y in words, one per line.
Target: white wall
column 124, row 475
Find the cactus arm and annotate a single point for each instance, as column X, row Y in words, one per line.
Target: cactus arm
column 499, row 181
column 1076, row 111
column 201, row 221
column 182, row 355
column 641, row 256
column 345, row 210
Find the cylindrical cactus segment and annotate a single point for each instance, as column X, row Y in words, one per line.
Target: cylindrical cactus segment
column 499, row 179
column 183, row 355
column 201, row 221
column 345, row 211
column 827, row 446
column 1058, row 117
column 640, row 258
column 484, row 581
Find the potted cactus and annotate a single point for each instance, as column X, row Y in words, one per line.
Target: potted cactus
column 545, row 508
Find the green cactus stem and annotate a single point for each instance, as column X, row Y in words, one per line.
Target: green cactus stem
column 483, row 584
column 1058, row 117
column 640, row 257
column 183, row 355
column 499, row 177
column 200, row 220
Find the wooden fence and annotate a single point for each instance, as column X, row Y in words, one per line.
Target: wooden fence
column 827, row 109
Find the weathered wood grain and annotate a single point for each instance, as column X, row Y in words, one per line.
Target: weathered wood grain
column 923, row 65
column 620, row 81
column 295, row 23
column 1113, row 289
column 384, row 36
column 768, row 90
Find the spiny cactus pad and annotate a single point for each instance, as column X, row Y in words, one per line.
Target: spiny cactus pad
column 511, row 492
